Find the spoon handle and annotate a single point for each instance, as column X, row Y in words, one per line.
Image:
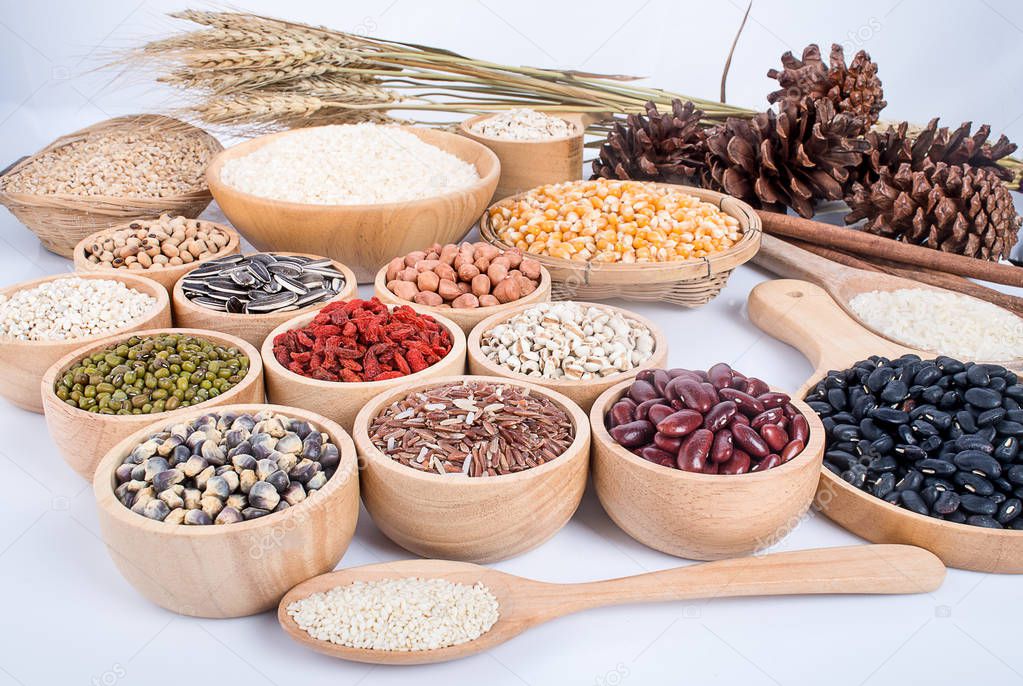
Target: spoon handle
column 792, row 262
column 883, row 568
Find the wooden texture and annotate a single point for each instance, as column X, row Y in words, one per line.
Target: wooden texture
column 701, row 516
column 362, row 236
column 804, row 316
column 864, row 243
column 250, row 327
column 465, row 318
column 167, row 276
column 582, row 392
column 82, row 437
column 23, row 363
column 475, row 519
column 527, row 164
column 841, row 282
column 342, row 401
column 230, row 570
column 61, row 220
column 525, row 603
column 689, row 283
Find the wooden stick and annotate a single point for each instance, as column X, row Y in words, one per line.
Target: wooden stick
column 864, row 244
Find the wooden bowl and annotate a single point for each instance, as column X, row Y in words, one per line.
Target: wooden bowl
column 83, row 437
column 582, row 392
column 804, row 316
column 363, row 236
column 467, row 319
column 702, row 516
column 472, row 519
column 23, row 363
column 527, row 164
column 167, row 276
column 689, row 283
column 250, row 327
column 341, row 401
column 229, row 570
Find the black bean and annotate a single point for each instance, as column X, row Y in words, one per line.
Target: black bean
column 821, row 408
column 863, row 406
column 991, row 417
column 974, row 484
column 879, row 378
column 932, row 394
column 1015, row 474
column 959, row 517
column 965, row 420
column 833, row 468
column 949, row 365
column 998, row 498
column 910, row 452
column 884, row 463
column 1007, row 450
column 911, row 481
column 942, row 420
column 845, row 432
column 1012, row 414
column 983, row 520
column 984, row 398
column 889, row 415
column 947, row 502
column 978, row 462
column 928, row 375
column 923, row 428
column 896, row 391
column 870, row 430
column 911, row 500
column 997, row 384
column 892, row 497
column 844, row 418
column 989, row 433
column 1014, row 391
column 977, row 504
column 836, row 398
column 883, row 445
column 971, row 442
column 1002, row 484
column 977, row 375
column 883, row 485
column 906, row 434
column 931, row 443
column 841, row 458
column 930, row 495
column 1009, row 428
column 935, row 467
column 855, row 475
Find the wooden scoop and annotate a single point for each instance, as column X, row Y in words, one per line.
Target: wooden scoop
column 525, row 603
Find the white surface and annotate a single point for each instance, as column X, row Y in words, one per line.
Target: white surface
column 70, row 618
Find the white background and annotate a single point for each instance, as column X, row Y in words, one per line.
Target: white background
column 68, row 617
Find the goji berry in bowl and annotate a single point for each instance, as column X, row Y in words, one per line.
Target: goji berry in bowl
column 336, row 359
column 648, row 490
column 510, row 474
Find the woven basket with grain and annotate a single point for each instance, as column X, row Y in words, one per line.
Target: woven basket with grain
column 61, row 220
column 689, row 283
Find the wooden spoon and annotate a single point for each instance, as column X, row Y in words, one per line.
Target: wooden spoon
column 525, row 603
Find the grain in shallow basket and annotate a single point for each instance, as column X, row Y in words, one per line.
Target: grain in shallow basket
column 702, row 516
column 83, row 437
column 688, row 283
column 229, row 570
column 60, row 221
column 472, row 519
column 23, row 363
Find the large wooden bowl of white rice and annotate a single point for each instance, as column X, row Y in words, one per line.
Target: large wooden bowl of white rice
column 360, row 193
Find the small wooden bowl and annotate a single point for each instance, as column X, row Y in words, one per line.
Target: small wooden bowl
column 467, row 319
column 702, row 516
column 83, row 437
column 582, row 392
column 341, row 401
column 527, row 164
column 23, row 363
column 472, row 519
column 165, row 277
column 250, row 327
column 230, row 570
column 364, row 236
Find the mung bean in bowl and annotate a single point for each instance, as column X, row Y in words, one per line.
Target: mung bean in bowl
column 676, row 490
column 85, row 424
column 44, row 319
column 229, row 539
column 507, row 471
column 576, row 348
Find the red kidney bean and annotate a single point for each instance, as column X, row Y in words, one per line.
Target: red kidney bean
column 643, row 409
column 633, row 434
column 678, row 371
column 680, row 423
column 710, row 395
column 739, row 419
column 749, row 440
column 756, row 387
column 770, row 416
column 774, row 436
column 656, row 413
column 723, row 447
column 791, row 411
column 686, row 390
column 678, row 404
column 668, row 443
column 642, row 390
column 769, row 462
column 656, row 454
column 720, row 375
column 739, row 464
column 774, row 399
column 623, row 412
column 747, row 404
column 710, row 467
column 646, row 375
column 800, row 429
column 695, row 450
column 791, row 449
column 719, row 415
column 661, row 380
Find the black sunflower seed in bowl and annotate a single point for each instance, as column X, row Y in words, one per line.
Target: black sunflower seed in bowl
column 938, row 437
column 262, row 283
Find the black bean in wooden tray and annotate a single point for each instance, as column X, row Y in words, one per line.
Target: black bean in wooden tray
column 262, row 283
column 938, row 437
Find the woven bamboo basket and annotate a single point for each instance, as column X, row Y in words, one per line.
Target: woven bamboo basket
column 688, row 283
column 61, row 220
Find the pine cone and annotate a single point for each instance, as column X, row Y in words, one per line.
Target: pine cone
column 854, row 88
column 953, row 208
column 658, row 147
column 791, row 158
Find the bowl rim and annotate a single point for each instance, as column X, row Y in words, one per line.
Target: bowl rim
column 82, row 265
column 576, row 450
column 217, row 185
column 475, row 350
column 134, row 281
column 60, row 366
column 103, row 489
column 179, row 299
column 578, row 130
column 814, row 449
